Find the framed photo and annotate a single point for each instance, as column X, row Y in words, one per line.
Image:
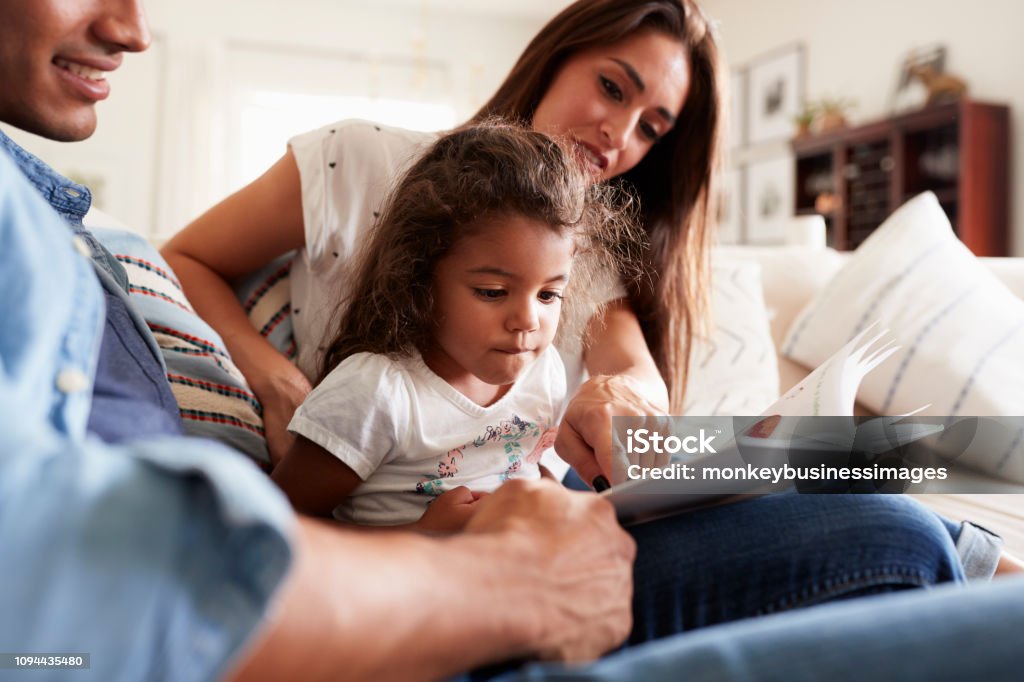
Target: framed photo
column 775, row 93
column 730, row 219
column 737, row 108
column 769, row 201
column 909, row 92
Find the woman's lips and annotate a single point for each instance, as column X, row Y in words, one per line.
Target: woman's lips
column 592, row 155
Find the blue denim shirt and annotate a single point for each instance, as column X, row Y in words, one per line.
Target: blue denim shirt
column 130, row 393
column 157, row 558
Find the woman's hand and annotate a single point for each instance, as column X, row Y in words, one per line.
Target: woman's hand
column 450, row 512
column 280, row 395
column 585, row 434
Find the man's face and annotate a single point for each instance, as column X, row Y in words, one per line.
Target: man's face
column 54, row 58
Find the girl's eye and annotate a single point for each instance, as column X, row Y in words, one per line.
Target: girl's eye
column 549, row 296
column 489, row 294
column 648, row 131
column 611, row 88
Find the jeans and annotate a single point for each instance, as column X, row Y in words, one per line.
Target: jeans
column 779, row 552
column 769, row 554
column 947, row 634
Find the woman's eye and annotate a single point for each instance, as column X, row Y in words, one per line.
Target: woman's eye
column 648, row 131
column 611, row 88
column 549, row 296
column 489, row 294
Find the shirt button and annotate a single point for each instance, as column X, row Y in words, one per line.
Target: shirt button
column 72, row 381
column 81, row 247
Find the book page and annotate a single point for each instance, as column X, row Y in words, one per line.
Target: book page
column 831, row 389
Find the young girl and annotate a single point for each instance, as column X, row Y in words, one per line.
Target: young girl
column 441, row 372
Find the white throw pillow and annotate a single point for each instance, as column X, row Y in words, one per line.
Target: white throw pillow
column 735, row 371
column 960, row 329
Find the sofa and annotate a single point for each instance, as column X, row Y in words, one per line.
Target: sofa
column 799, row 284
column 760, row 296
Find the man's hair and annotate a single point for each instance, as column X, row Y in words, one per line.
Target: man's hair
column 477, row 173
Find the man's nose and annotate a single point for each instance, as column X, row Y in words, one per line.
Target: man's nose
column 123, row 25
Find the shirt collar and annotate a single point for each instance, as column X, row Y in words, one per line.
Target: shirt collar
column 68, row 198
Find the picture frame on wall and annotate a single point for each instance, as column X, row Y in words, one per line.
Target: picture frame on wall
column 769, row 200
column 775, row 93
column 737, row 108
column 731, row 208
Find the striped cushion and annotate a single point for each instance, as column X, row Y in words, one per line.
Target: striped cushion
column 961, row 331
column 266, row 297
column 213, row 396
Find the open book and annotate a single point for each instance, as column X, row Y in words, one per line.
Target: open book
column 811, row 422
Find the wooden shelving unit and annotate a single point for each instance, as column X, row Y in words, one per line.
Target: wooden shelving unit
column 856, row 177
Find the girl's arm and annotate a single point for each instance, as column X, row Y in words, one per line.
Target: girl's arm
column 624, row 381
column 242, row 233
column 316, row 482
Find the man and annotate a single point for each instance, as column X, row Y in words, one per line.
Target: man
column 162, row 558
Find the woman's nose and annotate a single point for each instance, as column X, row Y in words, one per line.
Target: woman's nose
column 616, row 130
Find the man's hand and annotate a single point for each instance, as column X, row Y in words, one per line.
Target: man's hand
column 585, row 434
column 450, row 512
column 577, row 561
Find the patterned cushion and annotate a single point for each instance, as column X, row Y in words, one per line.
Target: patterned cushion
column 735, row 370
column 213, row 396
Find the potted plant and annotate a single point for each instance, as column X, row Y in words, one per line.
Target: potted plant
column 832, row 113
column 804, row 119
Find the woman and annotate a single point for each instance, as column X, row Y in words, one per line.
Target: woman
column 635, row 84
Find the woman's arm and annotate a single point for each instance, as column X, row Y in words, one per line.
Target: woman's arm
column 624, row 382
column 244, row 232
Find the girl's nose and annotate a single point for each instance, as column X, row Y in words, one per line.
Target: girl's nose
column 523, row 317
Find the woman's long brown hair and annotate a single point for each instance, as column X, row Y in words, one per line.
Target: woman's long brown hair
column 676, row 182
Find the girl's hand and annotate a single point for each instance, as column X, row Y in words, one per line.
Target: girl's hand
column 585, row 434
column 450, row 512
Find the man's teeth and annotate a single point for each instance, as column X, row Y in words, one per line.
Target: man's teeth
column 81, row 70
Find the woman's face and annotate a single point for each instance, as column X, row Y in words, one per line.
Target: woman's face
column 615, row 101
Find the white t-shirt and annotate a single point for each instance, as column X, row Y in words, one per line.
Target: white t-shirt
column 346, row 171
column 410, row 436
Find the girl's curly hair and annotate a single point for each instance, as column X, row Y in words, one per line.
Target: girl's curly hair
column 478, row 172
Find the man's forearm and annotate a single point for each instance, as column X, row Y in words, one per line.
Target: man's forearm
column 394, row 606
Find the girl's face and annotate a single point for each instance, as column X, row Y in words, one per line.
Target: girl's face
column 616, row 101
column 497, row 298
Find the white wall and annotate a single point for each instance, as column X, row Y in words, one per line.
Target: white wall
column 158, row 147
column 854, row 48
